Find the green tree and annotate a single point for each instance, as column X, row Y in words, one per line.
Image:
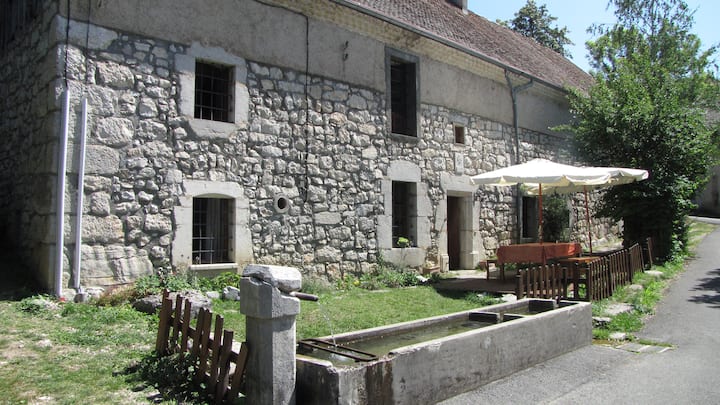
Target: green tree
column 535, row 22
column 647, row 109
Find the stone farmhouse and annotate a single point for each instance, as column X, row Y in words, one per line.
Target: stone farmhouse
column 321, row 134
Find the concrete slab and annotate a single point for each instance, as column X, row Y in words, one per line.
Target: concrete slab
column 642, row 348
column 618, row 308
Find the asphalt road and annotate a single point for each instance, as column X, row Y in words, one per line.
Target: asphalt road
column 688, row 317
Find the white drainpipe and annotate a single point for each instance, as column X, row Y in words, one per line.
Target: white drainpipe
column 80, row 195
column 60, row 203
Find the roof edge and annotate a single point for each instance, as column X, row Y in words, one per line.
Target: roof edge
column 448, row 42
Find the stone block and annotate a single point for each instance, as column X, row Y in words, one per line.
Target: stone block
column 101, row 160
column 108, row 229
column 262, row 301
column 101, row 101
column 655, row 274
column 328, row 218
column 147, row 108
column 114, row 131
column 231, row 293
column 113, row 264
column 151, row 304
column 158, row 223
column 115, row 75
column 100, row 204
column 327, row 254
column 286, row 279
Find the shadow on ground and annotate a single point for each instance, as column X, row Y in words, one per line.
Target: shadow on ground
column 711, row 287
column 16, row 283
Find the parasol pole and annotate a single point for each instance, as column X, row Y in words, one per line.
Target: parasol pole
column 540, row 206
column 587, row 219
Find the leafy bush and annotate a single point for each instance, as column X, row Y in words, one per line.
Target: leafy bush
column 482, row 299
column 165, row 279
column 371, row 282
column 116, row 297
column 556, row 219
column 37, row 305
column 403, row 242
column 315, row 285
column 172, row 375
column 385, row 275
column 402, row 278
column 219, row 282
column 625, row 322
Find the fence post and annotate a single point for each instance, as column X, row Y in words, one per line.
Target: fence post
column 215, row 349
column 204, row 344
column 223, row 365
column 647, row 253
column 590, row 281
column 187, row 310
column 239, row 370
column 164, row 324
column 519, row 288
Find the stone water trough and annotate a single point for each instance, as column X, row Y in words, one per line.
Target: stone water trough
column 432, row 359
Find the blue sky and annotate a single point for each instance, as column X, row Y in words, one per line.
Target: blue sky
column 578, row 15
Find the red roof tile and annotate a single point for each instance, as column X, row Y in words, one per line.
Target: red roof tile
column 479, row 36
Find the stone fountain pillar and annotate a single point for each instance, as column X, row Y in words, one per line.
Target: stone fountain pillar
column 270, row 313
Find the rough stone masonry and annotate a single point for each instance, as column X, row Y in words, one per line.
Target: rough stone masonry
column 321, row 143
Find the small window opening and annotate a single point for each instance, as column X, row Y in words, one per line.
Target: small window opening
column 404, row 213
column 530, row 217
column 403, row 98
column 212, row 91
column 459, row 134
column 211, row 230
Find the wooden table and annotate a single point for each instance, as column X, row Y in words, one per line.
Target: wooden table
column 578, row 260
column 535, row 253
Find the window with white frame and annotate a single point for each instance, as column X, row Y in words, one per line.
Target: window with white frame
column 211, row 230
column 404, row 213
column 213, row 91
column 212, row 226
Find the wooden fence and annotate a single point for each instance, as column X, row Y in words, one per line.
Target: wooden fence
column 591, row 281
column 547, row 281
column 217, row 365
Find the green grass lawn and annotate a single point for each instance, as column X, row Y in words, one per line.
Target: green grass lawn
column 343, row 311
column 82, row 353
column 71, row 354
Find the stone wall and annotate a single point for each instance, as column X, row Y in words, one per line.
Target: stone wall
column 321, row 143
column 30, row 103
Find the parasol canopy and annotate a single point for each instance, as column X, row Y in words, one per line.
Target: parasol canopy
column 616, row 177
column 542, row 175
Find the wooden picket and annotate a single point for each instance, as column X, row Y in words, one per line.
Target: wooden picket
column 600, row 278
column 217, row 365
column 542, row 282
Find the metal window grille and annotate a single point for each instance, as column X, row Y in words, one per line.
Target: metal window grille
column 459, row 134
column 529, row 217
column 211, row 230
column 402, row 98
column 212, row 91
column 404, row 211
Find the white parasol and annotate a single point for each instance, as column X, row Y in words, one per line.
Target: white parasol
column 540, row 175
